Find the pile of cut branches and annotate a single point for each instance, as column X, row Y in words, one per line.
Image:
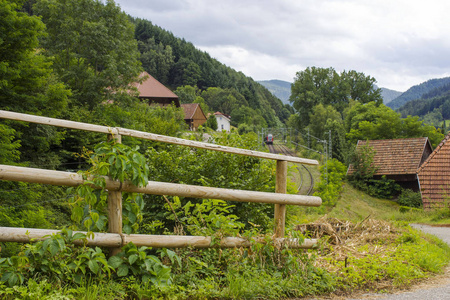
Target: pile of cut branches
column 373, row 254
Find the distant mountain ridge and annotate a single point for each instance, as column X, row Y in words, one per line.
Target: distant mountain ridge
column 282, row 90
column 388, row 95
column 433, row 107
column 279, row 88
column 417, row 91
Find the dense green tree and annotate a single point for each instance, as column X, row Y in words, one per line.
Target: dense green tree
column 212, row 122
column 93, row 47
column 156, row 59
column 186, row 72
column 26, row 80
column 325, row 118
column 321, row 116
column 434, row 118
column 9, row 152
column 187, row 93
column 224, row 100
column 324, row 85
column 27, row 83
column 371, row 121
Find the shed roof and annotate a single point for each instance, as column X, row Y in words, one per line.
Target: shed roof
column 434, row 175
column 152, row 88
column 397, row 156
column 190, row 109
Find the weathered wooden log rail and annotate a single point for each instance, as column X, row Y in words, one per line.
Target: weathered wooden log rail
column 115, row 238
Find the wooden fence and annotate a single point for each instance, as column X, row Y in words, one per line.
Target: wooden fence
column 115, row 238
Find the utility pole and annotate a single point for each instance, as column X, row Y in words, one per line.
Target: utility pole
column 331, row 149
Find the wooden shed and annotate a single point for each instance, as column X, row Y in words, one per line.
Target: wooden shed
column 154, row 92
column 193, row 115
column 434, row 176
column 398, row 159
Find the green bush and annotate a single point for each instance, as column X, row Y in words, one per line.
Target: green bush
column 410, row 198
column 331, row 181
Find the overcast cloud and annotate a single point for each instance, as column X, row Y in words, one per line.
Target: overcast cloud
column 399, row 42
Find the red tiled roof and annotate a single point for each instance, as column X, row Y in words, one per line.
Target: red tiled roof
column 152, row 88
column 434, row 176
column 189, row 110
column 397, row 156
column 217, row 113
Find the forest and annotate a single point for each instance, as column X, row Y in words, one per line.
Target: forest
column 75, row 60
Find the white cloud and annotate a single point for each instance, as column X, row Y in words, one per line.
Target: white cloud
column 400, row 43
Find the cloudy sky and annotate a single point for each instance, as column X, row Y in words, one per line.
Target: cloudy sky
column 399, row 42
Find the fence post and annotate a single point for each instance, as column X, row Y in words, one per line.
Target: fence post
column 115, row 205
column 280, row 187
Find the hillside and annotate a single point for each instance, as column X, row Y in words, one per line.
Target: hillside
column 279, row 88
column 433, row 107
column 176, row 63
column 417, row 91
column 389, row 95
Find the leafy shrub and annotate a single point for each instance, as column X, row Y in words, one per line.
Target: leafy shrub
column 382, row 188
column 410, row 198
column 171, row 163
column 120, row 162
column 331, row 180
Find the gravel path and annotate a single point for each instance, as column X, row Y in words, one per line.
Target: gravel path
column 435, row 289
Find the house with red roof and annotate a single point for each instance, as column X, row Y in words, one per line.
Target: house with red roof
column 434, row 177
column 193, row 115
column 154, row 92
column 398, row 159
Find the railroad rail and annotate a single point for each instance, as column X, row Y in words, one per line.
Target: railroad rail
column 281, row 149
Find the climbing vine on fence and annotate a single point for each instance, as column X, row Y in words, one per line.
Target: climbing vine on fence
column 89, row 200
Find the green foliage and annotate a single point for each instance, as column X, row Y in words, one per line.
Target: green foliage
column 92, row 45
column 372, row 121
column 56, row 259
column 362, row 163
column 212, row 122
column 193, row 67
column 136, row 262
column 331, row 180
column 211, row 217
column 156, row 59
column 363, row 172
column 119, row 162
column 9, row 151
column 418, row 91
column 384, row 188
column 212, row 168
column 315, row 86
column 410, row 198
column 26, row 80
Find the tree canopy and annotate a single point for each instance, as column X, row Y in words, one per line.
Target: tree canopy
column 92, row 45
column 325, row 86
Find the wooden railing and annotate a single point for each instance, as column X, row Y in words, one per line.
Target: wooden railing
column 115, row 238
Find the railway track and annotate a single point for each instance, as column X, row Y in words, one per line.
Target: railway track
column 281, row 149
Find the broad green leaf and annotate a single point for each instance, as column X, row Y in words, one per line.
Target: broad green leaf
column 115, row 261
column 93, row 266
column 122, row 270
column 132, row 259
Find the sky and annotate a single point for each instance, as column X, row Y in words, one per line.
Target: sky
column 400, row 43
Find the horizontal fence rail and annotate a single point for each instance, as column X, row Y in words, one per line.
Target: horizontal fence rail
column 43, row 176
column 149, row 136
column 26, row 235
column 115, row 239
